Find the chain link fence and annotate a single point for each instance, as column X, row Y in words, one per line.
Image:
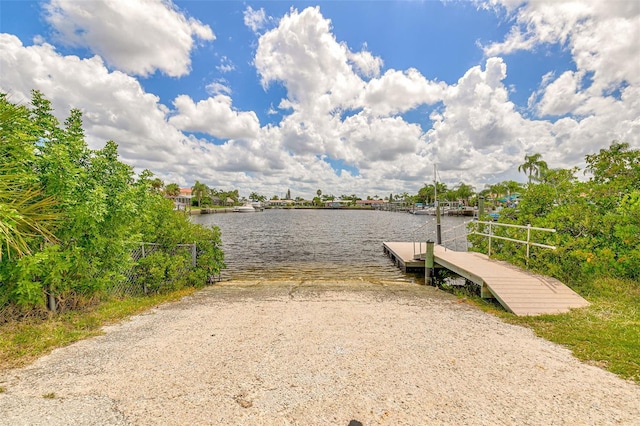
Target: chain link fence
column 137, row 277
column 132, row 285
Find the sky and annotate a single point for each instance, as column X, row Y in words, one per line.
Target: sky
column 354, row 97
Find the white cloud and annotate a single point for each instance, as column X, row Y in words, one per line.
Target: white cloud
column 341, row 105
column 602, row 36
column 218, row 87
column 334, row 111
column 562, row 96
column 114, row 104
column 599, row 95
column 226, row 65
column 116, row 107
column 365, row 63
column 479, row 130
column 214, row 116
column 255, row 19
column 135, row 36
column 398, row 91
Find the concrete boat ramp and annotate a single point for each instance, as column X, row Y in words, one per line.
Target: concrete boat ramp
column 518, row 291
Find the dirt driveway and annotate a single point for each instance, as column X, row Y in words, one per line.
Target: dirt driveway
column 313, row 353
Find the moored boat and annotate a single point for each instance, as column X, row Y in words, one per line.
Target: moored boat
column 246, row 208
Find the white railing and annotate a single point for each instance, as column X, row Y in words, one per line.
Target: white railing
column 528, row 241
column 451, row 235
column 419, row 243
column 456, row 237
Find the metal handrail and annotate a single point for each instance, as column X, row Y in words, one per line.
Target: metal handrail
column 528, row 241
column 417, row 246
column 456, row 237
column 414, row 232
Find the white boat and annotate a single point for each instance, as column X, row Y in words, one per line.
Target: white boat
column 246, row 208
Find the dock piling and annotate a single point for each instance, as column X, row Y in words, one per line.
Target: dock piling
column 429, row 271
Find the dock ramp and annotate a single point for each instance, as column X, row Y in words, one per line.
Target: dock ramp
column 518, row 291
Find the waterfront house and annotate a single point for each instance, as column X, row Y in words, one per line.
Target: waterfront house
column 374, row 204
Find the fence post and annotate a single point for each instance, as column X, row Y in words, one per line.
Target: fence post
column 194, row 255
column 429, row 264
column 143, row 255
column 490, row 234
column 528, row 239
column 51, row 299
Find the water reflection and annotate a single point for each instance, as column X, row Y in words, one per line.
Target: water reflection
column 317, row 244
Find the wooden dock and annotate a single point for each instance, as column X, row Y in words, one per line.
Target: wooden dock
column 518, row 291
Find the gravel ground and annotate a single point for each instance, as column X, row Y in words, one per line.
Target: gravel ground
column 301, row 353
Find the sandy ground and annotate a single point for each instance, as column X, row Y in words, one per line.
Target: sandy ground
column 296, row 353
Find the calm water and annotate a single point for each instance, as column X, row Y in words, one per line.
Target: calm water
column 317, row 244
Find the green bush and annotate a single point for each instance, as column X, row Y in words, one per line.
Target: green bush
column 69, row 215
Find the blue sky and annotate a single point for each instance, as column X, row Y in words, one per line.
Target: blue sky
column 348, row 97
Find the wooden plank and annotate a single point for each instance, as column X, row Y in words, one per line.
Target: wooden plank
column 520, row 292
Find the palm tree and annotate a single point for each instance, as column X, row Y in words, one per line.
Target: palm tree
column 156, row 185
column 319, row 192
column 464, row 192
column 199, row 190
column 24, row 215
column 497, row 190
column 533, row 166
column 172, row 190
column 513, row 187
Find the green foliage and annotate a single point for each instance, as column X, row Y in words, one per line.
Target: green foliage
column 533, row 166
column 27, row 216
column 68, row 214
column 597, row 221
column 172, row 190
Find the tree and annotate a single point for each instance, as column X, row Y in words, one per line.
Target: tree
column 464, row 192
column 254, row 196
column 426, row 194
column 199, row 190
column 288, row 196
column 497, row 190
column 513, row 187
column 70, row 214
column 156, row 185
column 615, row 171
column 172, row 190
column 533, row 166
column 319, row 192
column 617, row 165
column 26, row 217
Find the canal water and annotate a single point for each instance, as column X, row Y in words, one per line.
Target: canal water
column 318, row 244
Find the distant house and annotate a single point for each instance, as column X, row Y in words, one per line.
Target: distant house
column 184, row 199
column 371, row 203
column 337, row 203
column 280, row 203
